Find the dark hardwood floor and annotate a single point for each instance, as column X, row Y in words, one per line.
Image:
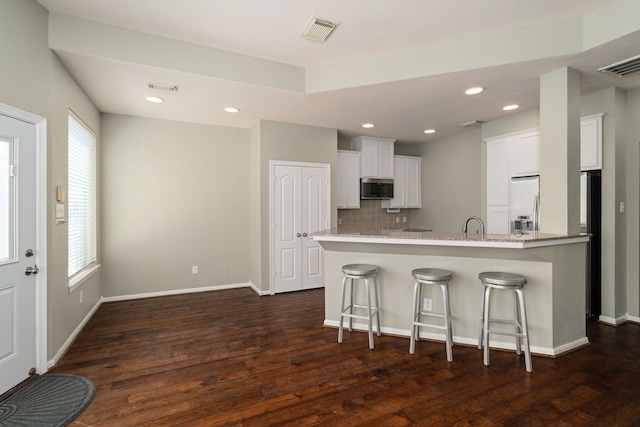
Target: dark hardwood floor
column 233, row 358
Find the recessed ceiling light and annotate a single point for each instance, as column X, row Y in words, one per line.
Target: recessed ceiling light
column 473, row 90
column 510, row 107
column 368, row 125
column 430, row 131
column 231, row 109
column 155, row 99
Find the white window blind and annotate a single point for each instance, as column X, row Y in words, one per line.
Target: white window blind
column 81, row 196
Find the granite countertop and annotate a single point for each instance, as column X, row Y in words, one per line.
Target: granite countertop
column 393, row 236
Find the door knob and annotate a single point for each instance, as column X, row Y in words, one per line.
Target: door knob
column 31, row 270
column 28, row 253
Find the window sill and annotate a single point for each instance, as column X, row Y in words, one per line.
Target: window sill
column 81, row 278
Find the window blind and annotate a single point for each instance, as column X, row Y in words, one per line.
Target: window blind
column 81, row 196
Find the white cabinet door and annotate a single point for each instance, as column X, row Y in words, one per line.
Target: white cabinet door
column 348, row 179
column 377, row 156
column 300, row 208
column 498, row 172
column 407, row 185
column 591, row 142
column 524, row 154
column 498, row 220
column 385, row 159
column 413, row 188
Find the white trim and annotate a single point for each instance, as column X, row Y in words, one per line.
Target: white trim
column 543, row 351
column 613, row 321
column 40, row 124
column 634, row 319
column 182, row 291
column 78, row 280
column 74, row 335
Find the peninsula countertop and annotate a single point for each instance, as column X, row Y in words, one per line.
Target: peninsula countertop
column 431, row 238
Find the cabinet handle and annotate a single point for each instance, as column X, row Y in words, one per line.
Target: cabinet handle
column 304, row 234
column 298, row 234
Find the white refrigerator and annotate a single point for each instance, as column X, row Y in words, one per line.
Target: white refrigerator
column 524, row 204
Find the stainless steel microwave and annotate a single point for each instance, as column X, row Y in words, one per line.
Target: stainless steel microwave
column 376, row 189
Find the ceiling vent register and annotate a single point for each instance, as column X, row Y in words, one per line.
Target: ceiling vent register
column 318, row 29
column 623, row 68
column 163, row 87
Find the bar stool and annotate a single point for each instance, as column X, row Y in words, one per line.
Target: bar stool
column 431, row 276
column 367, row 273
column 511, row 282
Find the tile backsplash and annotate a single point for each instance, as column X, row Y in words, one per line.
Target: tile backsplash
column 372, row 215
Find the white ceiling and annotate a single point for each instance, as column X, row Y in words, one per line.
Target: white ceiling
column 401, row 104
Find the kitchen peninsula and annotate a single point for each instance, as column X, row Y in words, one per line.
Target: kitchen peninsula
column 554, row 266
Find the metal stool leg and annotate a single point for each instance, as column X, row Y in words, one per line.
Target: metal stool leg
column 369, row 312
column 415, row 329
column 377, row 305
column 351, row 303
column 516, row 323
column 342, row 308
column 447, row 322
column 481, row 333
column 525, row 332
column 485, row 332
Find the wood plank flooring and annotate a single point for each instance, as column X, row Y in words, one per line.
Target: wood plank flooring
column 232, row 358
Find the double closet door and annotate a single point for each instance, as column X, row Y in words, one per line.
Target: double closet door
column 301, row 207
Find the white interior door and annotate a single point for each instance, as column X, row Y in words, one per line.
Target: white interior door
column 300, row 208
column 314, row 219
column 17, row 251
column 287, row 229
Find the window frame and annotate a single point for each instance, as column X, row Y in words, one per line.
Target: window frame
column 87, row 142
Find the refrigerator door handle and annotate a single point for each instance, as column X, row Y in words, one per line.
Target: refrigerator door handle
column 536, row 213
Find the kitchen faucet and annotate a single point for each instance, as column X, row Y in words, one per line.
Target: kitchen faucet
column 464, row 227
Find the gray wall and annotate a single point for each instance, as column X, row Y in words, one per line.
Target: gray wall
column 451, row 189
column 32, row 79
column 289, row 142
column 174, row 195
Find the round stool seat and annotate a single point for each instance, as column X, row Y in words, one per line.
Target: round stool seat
column 360, row 270
column 501, row 279
column 431, row 274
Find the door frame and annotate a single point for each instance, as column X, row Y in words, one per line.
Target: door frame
column 272, row 168
column 40, row 124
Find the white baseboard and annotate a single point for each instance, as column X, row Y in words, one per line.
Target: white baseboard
column 182, row 291
column 546, row 351
column 95, row 308
column 634, row 319
column 613, row 321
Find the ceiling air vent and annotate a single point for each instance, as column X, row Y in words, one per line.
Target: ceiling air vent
column 163, row 87
column 623, row 68
column 319, row 30
column 472, row 123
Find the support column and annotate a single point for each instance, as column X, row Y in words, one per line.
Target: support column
column 560, row 152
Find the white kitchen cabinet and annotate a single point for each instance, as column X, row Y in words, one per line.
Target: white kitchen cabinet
column 407, row 183
column 524, row 154
column 498, row 171
column 498, row 220
column 377, row 156
column 348, row 179
column 591, row 142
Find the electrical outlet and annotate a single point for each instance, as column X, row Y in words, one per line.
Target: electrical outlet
column 339, row 221
column 404, row 219
column 397, row 219
column 81, row 297
column 194, row 269
column 621, row 207
column 427, row 304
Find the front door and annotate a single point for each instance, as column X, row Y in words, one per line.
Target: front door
column 300, row 208
column 17, row 251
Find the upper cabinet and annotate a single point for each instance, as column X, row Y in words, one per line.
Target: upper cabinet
column 524, row 154
column 407, row 183
column 498, row 171
column 377, row 156
column 348, row 179
column 591, row 142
